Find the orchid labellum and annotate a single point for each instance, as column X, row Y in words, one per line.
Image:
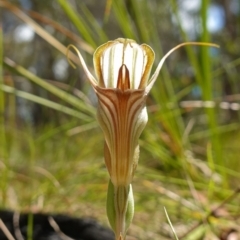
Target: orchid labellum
column 122, row 85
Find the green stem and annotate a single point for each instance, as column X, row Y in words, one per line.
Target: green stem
column 3, row 141
column 120, row 208
column 30, row 226
column 207, row 87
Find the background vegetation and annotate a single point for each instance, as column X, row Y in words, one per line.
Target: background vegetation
column 51, row 148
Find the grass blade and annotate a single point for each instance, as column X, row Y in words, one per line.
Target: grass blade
column 68, row 98
column 46, row 102
column 78, row 22
column 170, row 224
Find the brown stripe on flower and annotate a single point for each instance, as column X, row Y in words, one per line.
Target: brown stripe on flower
column 118, row 116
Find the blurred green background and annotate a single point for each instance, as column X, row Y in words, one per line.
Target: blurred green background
column 51, row 148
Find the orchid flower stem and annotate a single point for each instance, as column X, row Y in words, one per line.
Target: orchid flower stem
column 120, row 208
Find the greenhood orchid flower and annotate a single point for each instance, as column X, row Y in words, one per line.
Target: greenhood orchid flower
column 122, row 68
column 122, row 85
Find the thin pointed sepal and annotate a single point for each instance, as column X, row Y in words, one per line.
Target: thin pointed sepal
column 159, row 67
column 91, row 78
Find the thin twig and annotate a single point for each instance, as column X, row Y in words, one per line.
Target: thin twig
column 83, row 45
column 17, row 231
column 6, row 231
column 57, row 229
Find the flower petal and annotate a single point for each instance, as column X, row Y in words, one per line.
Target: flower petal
column 122, row 117
column 110, row 57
